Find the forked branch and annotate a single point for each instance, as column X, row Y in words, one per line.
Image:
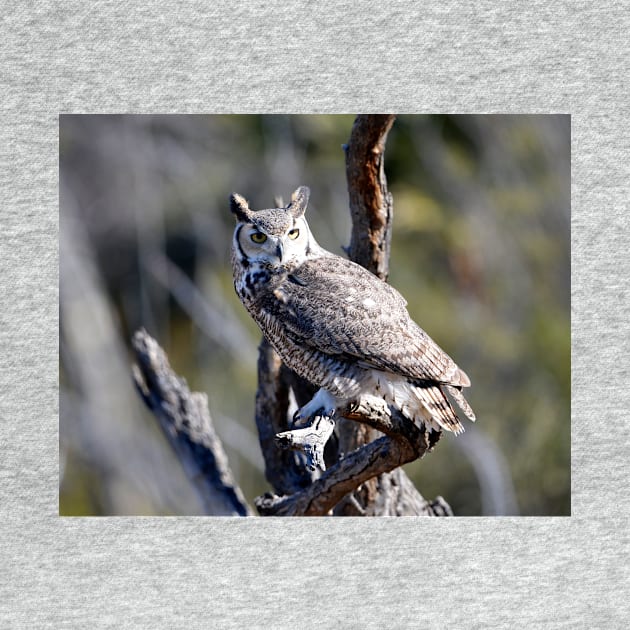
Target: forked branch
column 403, row 443
column 364, row 460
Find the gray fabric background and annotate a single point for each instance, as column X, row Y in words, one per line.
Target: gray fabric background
column 262, row 56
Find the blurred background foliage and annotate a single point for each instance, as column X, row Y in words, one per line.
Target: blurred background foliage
column 480, row 249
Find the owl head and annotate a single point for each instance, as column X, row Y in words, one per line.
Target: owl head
column 276, row 236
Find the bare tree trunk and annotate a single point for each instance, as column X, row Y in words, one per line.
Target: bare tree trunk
column 371, row 209
column 360, row 483
column 284, row 470
column 371, row 204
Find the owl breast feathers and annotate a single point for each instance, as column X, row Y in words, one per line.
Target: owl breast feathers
column 336, row 324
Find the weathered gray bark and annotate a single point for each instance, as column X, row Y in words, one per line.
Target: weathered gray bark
column 185, row 420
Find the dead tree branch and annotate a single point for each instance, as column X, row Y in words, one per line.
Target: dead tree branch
column 185, row 420
column 371, row 209
column 284, row 469
column 371, row 204
column 403, row 442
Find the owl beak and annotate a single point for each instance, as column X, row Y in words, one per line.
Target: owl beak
column 280, row 250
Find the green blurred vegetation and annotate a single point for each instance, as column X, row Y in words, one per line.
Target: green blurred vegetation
column 480, row 249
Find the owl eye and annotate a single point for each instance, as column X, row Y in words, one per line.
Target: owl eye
column 294, row 233
column 258, row 237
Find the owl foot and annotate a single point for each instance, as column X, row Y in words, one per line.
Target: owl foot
column 302, row 416
column 322, row 404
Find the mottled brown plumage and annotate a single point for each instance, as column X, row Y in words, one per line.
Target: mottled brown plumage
column 336, row 324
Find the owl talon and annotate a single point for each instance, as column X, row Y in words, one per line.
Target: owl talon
column 303, row 416
column 322, row 404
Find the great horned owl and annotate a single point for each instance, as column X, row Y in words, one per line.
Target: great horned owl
column 336, row 324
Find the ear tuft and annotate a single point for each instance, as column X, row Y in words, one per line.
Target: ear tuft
column 299, row 201
column 239, row 207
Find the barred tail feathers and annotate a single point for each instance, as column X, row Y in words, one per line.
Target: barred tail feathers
column 439, row 408
column 423, row 402
column 460, row 401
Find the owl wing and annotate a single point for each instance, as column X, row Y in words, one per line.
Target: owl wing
column 339, row 308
